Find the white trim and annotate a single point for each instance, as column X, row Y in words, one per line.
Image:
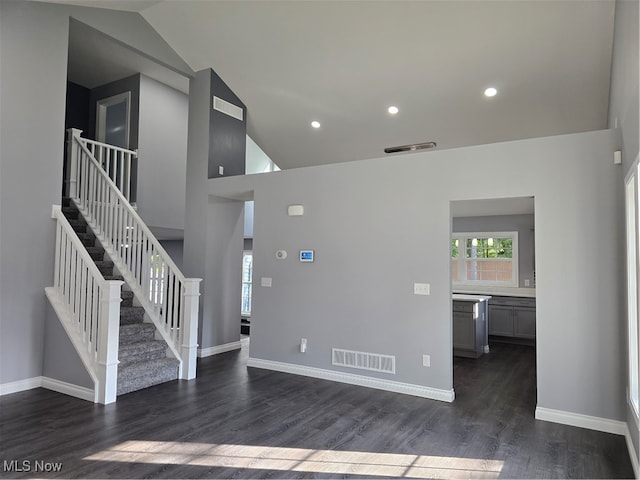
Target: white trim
column 583, row 421
column 20, row 385
column 216, row 349
column 632, row 452
column 350, row 378
column 70, row 389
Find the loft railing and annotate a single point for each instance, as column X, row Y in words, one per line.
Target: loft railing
column 169, row 299
column 116, row 162
column 88, row 307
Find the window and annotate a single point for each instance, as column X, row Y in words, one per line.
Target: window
column 631, row 201
column 485, row 258
column 247, row 276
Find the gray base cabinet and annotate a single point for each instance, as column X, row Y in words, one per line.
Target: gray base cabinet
column 512, row 317
column 469, row 327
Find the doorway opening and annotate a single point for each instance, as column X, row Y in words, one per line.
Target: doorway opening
column 493, row 283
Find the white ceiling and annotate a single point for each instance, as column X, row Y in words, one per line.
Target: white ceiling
column 344, row 62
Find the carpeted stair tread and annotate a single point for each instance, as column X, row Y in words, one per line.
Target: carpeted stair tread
column 140, row 375
column 105, row 267
column 127, row 298
column 130, row 315
column 78, row 225
column 70, row 212
column 96, row 253
column 141, row 352
column 136, row 332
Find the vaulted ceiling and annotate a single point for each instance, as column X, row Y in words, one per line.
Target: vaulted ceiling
column 343, row 63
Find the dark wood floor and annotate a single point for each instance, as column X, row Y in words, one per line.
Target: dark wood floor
column 239, row 422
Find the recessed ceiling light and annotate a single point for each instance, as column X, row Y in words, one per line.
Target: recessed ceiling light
column 315, row 124
column 490, row 92
column 392, row 110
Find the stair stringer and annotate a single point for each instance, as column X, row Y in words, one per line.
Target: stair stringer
column 132, row 284
column 66, row 320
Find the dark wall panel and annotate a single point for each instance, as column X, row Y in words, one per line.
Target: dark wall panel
column 227, row 139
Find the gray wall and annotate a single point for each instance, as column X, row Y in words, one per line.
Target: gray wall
column 31, row 151
column 61, row 361
column 162, row 155
column 523, row 224
column 623, row 110
column 362, row 298
column 623, row 97
column 33, row 40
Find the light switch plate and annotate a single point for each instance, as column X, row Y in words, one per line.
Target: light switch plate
column 421, row 289
column 265, row 281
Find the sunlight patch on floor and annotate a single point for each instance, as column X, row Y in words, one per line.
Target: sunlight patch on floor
column 298, row 459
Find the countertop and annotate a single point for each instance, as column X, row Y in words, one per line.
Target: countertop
column 470, row 298
column 495, row 291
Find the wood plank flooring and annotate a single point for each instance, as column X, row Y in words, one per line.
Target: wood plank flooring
column 239, row 422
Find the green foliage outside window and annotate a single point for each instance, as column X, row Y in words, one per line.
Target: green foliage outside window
column 489, row 247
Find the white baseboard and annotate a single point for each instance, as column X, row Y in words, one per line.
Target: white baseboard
column 583, row 421
column 215, row 350
column 360, row 380
column 20, row 385
column 70, row 389
column 632, row 452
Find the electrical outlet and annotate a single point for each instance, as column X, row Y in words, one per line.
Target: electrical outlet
column 527, row 283
column 220, row 170
column 421, row 289
column 426, row 360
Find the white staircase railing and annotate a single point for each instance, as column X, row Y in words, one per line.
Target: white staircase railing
column 88, row 307
column 116, row 162
column 169, row 299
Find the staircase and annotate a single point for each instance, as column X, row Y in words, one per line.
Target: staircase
column 143, row 360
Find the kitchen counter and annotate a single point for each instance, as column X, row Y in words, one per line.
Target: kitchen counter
column 501, row 291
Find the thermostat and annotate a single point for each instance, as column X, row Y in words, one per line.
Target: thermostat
column 306, row 255
column 281, row 254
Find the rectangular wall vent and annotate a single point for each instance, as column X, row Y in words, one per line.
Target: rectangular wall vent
column 227, row 108
column 364, row 361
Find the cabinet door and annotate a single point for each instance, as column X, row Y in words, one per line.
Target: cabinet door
column 464, row 335
column 525, row 322
column 500, row 320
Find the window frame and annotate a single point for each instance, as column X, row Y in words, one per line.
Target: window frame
column 632, row 258
column 462, row 259
column 248, row 283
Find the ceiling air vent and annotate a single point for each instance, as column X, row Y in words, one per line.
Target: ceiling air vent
column 227, row 108
column 410, row 148
column 363, row 360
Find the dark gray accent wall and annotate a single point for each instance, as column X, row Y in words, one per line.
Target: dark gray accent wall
column 77, row 107
column 228, row 139
column 523, row 224
column 175, row 249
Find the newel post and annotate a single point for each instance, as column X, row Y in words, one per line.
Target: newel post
column 108, row 331
column 72, row 165
column 189, row 347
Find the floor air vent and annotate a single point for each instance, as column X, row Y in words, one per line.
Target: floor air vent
column 227, row 108
column 364, row 361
